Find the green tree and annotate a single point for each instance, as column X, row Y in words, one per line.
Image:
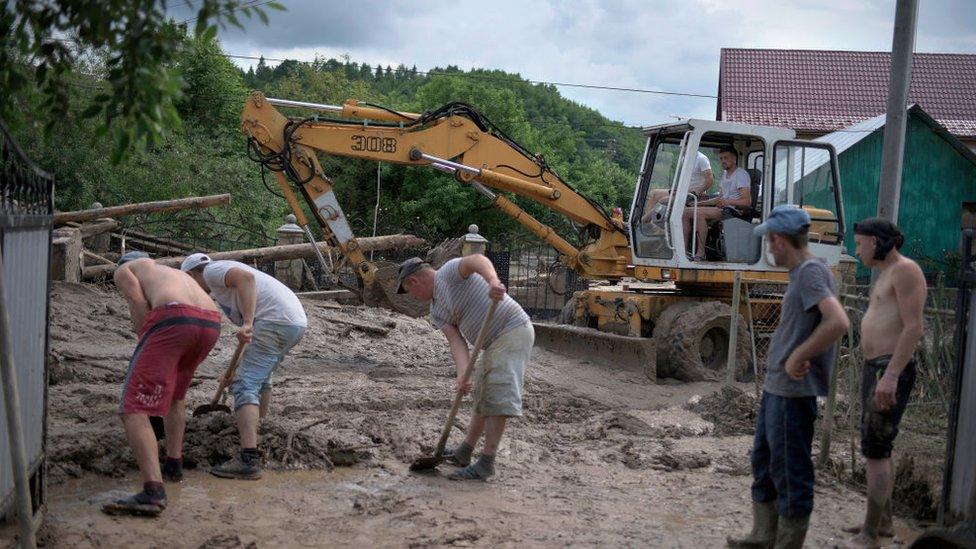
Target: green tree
column 214, row 92
column 40, row 43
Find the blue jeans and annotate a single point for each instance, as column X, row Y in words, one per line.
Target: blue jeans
column 268, row 347
column 782, row 468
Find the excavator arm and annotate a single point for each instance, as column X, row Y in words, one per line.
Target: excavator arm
column 456, row 139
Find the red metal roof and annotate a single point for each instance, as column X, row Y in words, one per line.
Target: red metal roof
column 823, row 91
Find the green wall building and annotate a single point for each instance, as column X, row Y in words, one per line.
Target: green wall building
column 938, row 178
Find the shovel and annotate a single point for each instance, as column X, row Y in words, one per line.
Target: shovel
column 213, row 405
column 427, row 463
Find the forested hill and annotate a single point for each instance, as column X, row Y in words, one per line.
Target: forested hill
column 595, row 155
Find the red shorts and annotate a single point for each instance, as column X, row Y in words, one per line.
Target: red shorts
column 173, row 341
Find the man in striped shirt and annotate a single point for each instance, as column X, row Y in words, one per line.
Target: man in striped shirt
column 460, row 293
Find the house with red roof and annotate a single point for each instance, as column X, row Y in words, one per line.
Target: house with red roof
column 839, row 97
column 816, row 92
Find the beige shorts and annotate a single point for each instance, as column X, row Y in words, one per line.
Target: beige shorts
column 500, row 372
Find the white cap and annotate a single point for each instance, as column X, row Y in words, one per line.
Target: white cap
column 193, row 261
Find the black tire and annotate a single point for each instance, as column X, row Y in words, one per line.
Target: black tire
column 695, row 344
column 662, row 330
column 568, row 314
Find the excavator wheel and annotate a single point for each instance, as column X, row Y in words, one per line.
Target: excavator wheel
column 693, row 342
column 568, row 314
column 662, row 330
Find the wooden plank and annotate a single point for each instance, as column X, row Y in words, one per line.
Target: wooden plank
column 95, row 228
column 280, row 253
column 63, row 218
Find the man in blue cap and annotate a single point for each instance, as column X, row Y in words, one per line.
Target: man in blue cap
column 797, row 372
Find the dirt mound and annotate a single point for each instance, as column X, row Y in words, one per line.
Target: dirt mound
column 732, row 410
column 313, row 424
column 213, row 438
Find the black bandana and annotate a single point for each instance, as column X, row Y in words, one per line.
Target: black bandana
column 885, row 232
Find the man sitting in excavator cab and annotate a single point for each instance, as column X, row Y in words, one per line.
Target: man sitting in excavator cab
column 734, row 201
column 701, row 182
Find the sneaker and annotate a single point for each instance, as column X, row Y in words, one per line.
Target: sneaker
column 479, row 470
column 472, row 472
column 240, row 467
column 452, row 457
column 143, row 504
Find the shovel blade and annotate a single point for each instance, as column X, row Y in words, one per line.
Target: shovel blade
column 210, row 408
column 426, row 463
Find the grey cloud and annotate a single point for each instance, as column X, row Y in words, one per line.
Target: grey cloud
column 665, row 45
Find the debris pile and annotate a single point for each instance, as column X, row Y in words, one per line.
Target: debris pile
column 732, row 410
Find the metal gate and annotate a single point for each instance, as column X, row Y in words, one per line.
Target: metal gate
column 26, row 207
column 959, row 486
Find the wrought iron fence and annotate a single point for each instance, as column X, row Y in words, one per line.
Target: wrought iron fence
column 535, row 277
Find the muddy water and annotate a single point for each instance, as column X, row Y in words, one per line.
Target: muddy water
column 602, row 457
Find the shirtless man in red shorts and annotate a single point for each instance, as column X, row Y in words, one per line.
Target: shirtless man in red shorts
column 178, row 324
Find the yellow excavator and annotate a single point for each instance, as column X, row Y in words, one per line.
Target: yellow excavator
column 665, row 309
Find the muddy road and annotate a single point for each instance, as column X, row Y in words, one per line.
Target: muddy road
column 602, row 457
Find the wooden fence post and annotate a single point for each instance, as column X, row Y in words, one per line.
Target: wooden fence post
column 828, row 425
column 733, row 329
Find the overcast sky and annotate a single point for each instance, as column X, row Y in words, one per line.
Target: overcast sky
column 648, row 44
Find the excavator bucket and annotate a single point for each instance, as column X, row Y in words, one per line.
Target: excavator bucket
column 632, row 353
column 382, row 293
column 375, row 295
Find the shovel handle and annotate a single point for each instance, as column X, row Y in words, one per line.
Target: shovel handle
column 475, row 351
column 224, row 381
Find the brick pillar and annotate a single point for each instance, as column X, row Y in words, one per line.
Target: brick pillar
column 289, row 272
column 66, row 254
column 473, row 243
column 100, row 243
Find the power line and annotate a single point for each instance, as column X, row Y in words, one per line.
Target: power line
column 250, row 4
column 496, row 78
column 510, row 80
column 513, row 80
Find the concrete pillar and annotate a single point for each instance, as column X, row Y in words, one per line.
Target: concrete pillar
column 289, row 272
column 66, row 254
column 473, row 243
column 100, row 243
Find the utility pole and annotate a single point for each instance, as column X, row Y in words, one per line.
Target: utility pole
column 900, row 78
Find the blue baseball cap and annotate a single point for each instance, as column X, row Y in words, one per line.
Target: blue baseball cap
column 784, row 219
column 131, row 256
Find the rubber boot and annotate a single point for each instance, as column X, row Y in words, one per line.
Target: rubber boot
column 790, row 532
column 764, row 520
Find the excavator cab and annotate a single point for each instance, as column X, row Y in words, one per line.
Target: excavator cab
column 669, row 207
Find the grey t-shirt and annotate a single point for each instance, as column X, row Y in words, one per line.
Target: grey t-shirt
column 732, row 185
column 810, row 282
column 464, row 302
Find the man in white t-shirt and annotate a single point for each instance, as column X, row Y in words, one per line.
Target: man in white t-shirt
column 735, row 192
column 701, row 181
column 272, row 321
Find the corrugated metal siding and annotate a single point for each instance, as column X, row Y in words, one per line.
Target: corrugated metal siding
column 936, row 180
column 25, row 269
